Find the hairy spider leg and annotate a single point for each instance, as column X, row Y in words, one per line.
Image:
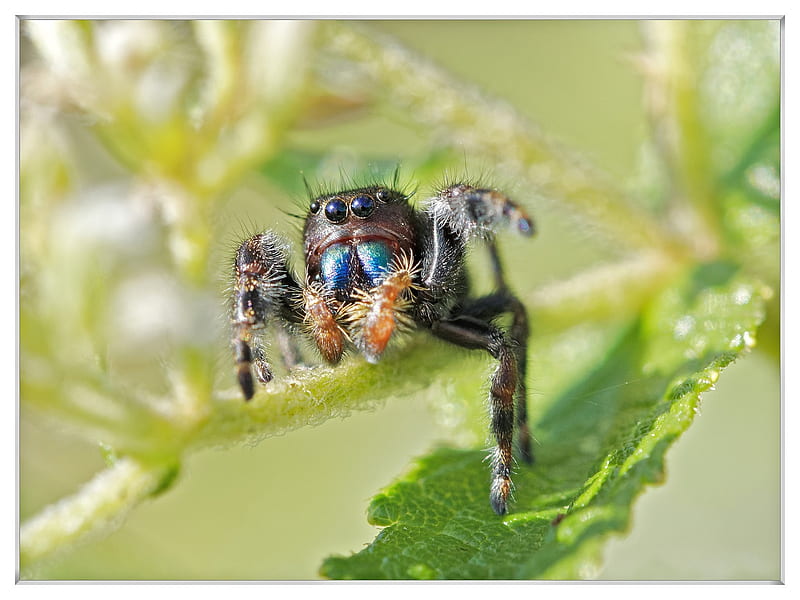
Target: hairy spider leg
column 473, row 333
column 262, row 284
column 478, row 212
column 487, row 308
column 458, row 214
column 520, row 330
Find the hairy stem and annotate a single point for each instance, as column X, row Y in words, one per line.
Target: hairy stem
column 99, row 506
column 310, row 397
column 680, row 133
column 602, row 292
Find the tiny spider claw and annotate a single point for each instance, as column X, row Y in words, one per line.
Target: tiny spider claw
column 498, row 497
column 516, row 216
column 263, row 371
column 525, row 226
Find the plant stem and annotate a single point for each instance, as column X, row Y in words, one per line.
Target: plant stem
column 314, row 396
column 100, row 505
column 465, row 117
column 603, row 292
column 680, row 132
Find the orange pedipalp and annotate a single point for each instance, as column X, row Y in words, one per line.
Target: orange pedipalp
column 326, row 331
column 380, row 318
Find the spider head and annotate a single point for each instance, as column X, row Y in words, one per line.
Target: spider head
column 350, row 237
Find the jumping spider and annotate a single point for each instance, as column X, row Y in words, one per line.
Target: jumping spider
column 373, row 264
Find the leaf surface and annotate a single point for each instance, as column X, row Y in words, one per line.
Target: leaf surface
column 602, row 429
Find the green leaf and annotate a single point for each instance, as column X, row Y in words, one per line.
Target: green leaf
column 602, row 429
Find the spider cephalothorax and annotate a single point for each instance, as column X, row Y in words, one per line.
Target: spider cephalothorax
column 373, row 263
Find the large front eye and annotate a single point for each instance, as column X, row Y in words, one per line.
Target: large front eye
column 362, row 206
column 336, row 210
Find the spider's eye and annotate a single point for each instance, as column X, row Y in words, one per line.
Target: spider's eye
column 314, row 208
column 382, row 195
column 362, row 206
column 336, row 210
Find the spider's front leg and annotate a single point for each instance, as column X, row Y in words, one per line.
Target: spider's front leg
column 263, row 289
column 458, row 214
column 471, row 211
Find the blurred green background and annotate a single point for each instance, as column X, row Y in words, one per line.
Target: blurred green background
column 276, row 509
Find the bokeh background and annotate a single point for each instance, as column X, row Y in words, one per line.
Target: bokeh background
column 229, row 515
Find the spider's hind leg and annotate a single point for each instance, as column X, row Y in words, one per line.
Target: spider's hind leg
column 487, row 308
column 471, row 332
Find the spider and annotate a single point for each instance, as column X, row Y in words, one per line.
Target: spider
column 375, row 264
